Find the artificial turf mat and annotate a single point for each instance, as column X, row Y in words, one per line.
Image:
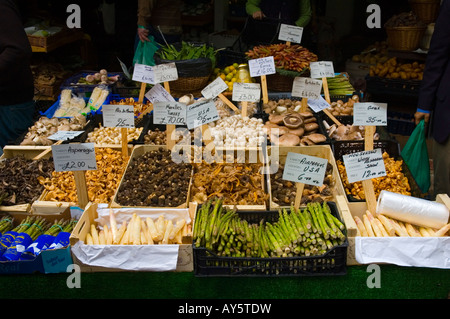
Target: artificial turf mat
column 396, row 283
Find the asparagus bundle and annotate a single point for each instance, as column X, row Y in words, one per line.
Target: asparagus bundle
column 6, row 224
column 311, row 231
column 340, row 85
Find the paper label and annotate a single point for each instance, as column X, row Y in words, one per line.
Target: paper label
column 173, row 113
column 165, row 72
column 64, row 135
column 261, row 66
column 250, row 92
column 74, row 157
column 201, row 113
column 322, row 69
column 364, row 165
column 300, row 168
column 370, row 114
column 118, row 116
column 319, row 104
column 143, row 73
column 159, row 94
column 214, row 88
column 306, row 88
column 290, row 33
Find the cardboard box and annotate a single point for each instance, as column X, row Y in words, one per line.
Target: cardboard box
column 347, row 215
column 48, row 261
column 184, row 258
column 322, row 151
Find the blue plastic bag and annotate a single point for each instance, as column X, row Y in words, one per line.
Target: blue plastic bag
column 41, row 243
column 15, row 250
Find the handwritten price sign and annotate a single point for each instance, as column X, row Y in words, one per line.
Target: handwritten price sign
column 370, row 114
column 318, row 104
column 290, row 33
column 118, row 116
column 364, row 165
column 246, row 92
column 165, row 72
column 214, row 88
column 143, row 73
column 322, row 69
column 261, row 66
column 173, row 113
column 306, row 87
column 300, row 168
column 201, row 113
column 64, row 135
column 159, row 94
column 74, row 157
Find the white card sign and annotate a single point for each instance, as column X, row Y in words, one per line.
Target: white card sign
column 364, row 165
column 118, row 116
column 158, row 94
column 290, row 33
column 214, row 88
column 143, row 73
column 261, row 66
column 306, row 87
column 74, row 157
column 319, row 104
column 165, row 72
column 300, row 168
column 64, row 135
column 246, row 92
column 173, row 113
column 322, row 69
column 200, row 113
column 370, row 114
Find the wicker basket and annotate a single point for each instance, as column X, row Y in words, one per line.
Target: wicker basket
column 404, row 38
column 189, row 84
column 426, row 10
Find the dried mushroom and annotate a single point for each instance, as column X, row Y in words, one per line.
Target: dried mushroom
column 112, row 135
column 101, row 183
column 284, row 191
column 154, row 179
column 19, row 179
column 236, row 183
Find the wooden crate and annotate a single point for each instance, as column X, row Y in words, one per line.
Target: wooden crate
column 322, row 151
column 27, row 152
column 138, row 151
column 185, row 255
column 347, row 215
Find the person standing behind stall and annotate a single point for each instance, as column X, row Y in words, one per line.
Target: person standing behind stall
column 434, row 97
column 293, row 12
column 17, row 106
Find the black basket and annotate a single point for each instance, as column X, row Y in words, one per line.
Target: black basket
column 228, row 57
column 332, row 263
column 341, row 148
column 400, row 123
column 394, row 87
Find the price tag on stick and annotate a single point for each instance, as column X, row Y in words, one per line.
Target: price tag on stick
column 364, row 165
column 306, row 88
column 120, row 116
column 144, row 74
column 370, row 114
column 262, row 67
column 215, row 89
column 246, row 92
column 170, row 128
column 290, row 33
column 304, row 169
column 201, row 113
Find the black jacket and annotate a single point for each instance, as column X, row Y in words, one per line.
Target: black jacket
column 435, row 88
column 16, row 78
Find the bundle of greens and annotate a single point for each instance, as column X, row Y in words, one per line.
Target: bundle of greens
column 187, row 51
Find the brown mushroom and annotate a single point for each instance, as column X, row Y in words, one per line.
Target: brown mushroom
column 292, row 121
column 276, row 119
column 289, row 139
column 299, row 131
column 311, row 126
column 317, row 138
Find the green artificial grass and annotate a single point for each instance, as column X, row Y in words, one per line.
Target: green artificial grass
column 396, row 283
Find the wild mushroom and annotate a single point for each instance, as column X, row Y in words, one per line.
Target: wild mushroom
column 276, row 119
column 289, row 139
column 292, row 121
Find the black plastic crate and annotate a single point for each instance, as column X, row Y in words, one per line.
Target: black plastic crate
column 394, row 87
column 227, row 57
column 332, row 263
column 400, row 123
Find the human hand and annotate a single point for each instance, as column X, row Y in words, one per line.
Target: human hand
column 258, row 15
column 143, row 34
column 418, row 116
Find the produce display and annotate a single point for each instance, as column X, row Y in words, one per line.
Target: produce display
column 188, row 51
column 100, row 77
column 237, row 131
column 112, row 135
column 97, row 98
column 393, row 69
column 47, row 74
column 154, row 179
column 71, row 105
column 346, row 132
column 158, row 137
column 292, row 57
column 139, row 107
column 139, row 231
column 304, row 232
column 284, row 191
column 373, row 54
column 225, row 111
column 236, row 183
column 44, row 127
column 292, row 128
column 383, row 226
column 395, row 180
column 34, row 234
column 339, row 85
column 233, row 73
column 101, row 183
column 19, row 179
column 341, row 108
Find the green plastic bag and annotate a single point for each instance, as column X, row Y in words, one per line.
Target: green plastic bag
column 145, row 52
column 415, row 155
